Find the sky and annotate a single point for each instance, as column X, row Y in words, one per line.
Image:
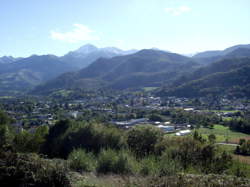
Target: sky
column 56, row 27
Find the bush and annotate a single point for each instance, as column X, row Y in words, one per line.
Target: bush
column 53, row 146
column 167, row 165
column 30, row 142
column 114, row 162
column 81, row 161
column 149, row 166
column 91, row 137
column 143, row 139
column 30, row 170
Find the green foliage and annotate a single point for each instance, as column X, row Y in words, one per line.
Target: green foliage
column 186, row 180
column 30, row 142
column 202, row 157
column 110, row 161
column 143, row 139
column 4, row 119
column 6, row 134
column 159, row 166
column 239, row 169
column 243, row 148
column 54, row 141
column 168, row 165
column 156, row 117
column 149, row 166
column 226, row 77
column 30, row 170
column 198, row 137
column 212, row 138
column 239, row 124
column 222, row 133
column 180, row 116
column 81, row 161
column 68, row 135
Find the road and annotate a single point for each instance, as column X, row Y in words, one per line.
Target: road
column 231, row 144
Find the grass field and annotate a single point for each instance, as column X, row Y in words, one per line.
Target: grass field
column 147, row 89
column 223, row 134
column 6, row 97
column 63, row 93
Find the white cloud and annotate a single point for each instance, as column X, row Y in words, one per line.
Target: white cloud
column 178, row 11
column 78, row 34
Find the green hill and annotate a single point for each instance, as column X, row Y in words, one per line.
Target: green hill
column 144, row 68
column 227, row 77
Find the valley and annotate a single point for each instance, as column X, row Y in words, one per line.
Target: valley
column 145, row 113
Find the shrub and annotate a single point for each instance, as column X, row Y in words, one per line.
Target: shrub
column 106, row 161
column 142, row 139
column 110, row 161
column 31, row 170
column 91, row 137
column 149, row 166
column 81, row 161
column 167, row 165
column 53, row 146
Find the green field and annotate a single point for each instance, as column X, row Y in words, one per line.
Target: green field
column 223, row 134
column 147, row 89
column 63, row 93
column 6, row 97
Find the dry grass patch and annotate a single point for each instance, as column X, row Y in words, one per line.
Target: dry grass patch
column 242, row 159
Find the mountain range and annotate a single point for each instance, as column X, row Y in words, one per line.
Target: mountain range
column 215, row 53
column 90, row 67
column 144, row 68
column 229, row 76
column 21, row 74
column 88, row 53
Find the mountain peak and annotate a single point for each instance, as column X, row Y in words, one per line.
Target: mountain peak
column 88, row 48
column 7, row 59
column 113, row 50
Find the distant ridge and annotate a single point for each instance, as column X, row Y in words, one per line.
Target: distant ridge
column 214, row 53
column 145, row 68
column 111, row 67
column 230, row 76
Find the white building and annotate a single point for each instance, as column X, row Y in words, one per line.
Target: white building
column 166, row 128
column 183, row 132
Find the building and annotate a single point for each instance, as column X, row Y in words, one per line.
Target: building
column 131, row 122
column 166, row 128
column 183, row 132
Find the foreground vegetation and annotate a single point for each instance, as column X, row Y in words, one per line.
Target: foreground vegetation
column 81, row 153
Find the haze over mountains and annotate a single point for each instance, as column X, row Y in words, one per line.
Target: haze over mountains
column 88, row 53
column 206, row 54
column 20, row 74
column 144, row 68
column 90, row 67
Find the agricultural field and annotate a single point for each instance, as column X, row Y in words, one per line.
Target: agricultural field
column 147, row 89
column 223, row 134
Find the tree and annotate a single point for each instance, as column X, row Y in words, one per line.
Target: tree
column 53, row 141
column 142, row 139
column 212, row 138
column 4, row 119
column 198, row 137
column 6, row 135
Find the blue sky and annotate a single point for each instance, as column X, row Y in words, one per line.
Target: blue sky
column 57, row 26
